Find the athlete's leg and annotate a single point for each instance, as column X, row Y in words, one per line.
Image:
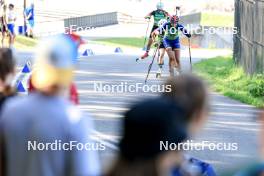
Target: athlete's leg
column 150, row 42
column 31, row 26
column 162, row 54
column 177, row 53
column 168, row 44
column 160, row 61
column 11, row 29
column 3, row 37
column 172, row 62
column 9, row 38
column 2, row 31
column 13, row 39
column 146, row 54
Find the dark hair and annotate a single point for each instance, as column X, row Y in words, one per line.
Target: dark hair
column 190, row 92
column 7, row 62
column 137, row 168
column 7, row 66
column 11, row 5
column 146, row 124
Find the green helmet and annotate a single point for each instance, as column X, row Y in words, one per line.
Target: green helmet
column 160, row 6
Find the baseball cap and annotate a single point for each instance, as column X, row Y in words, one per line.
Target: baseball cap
column 148, row 123
column 55, row 60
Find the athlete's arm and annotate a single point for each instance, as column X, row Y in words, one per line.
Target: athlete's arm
column 184, row 31
column 159, row 30
column 166, row 13
column 4, row 20
column 29, row 15
column 154, row 34
column 148, row 16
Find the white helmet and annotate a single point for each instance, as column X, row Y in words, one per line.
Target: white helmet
column 160, row 6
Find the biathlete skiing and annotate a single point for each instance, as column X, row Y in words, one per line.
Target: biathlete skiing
column 161, row 49
column 171, row 42
column 158, row 15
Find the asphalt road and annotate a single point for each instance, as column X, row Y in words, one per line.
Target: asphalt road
column 229, row 121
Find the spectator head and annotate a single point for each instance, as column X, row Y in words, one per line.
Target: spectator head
column 191, row 93
column 11, row 6
column 7, row 68
column 55, row 61
column 146, row 125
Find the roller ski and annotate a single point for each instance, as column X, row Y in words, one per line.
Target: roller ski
column 158, row 74
column 175, row 72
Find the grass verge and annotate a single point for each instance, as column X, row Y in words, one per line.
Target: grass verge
column 22, row 42
column 230, row 80
column 218, row 20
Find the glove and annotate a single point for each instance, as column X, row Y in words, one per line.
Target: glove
column 188, row 35
column 147, row 17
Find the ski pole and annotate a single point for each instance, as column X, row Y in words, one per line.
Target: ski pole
column 150, row 65
column 146, row 35
column 190, row 53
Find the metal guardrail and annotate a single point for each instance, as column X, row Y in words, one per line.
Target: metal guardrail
column 92, row 20
column 100, row 20
column 117, row 18
column 51, row 27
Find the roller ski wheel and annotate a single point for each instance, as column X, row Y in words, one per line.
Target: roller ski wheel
column 158, row 75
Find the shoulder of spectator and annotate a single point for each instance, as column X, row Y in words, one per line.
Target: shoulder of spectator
column 73, row 113
column 76, row 117
column 12, row 104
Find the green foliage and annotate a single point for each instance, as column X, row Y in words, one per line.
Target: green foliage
column 256, row 88
column 29, row 42
column 213, row 19
column 230, row 80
